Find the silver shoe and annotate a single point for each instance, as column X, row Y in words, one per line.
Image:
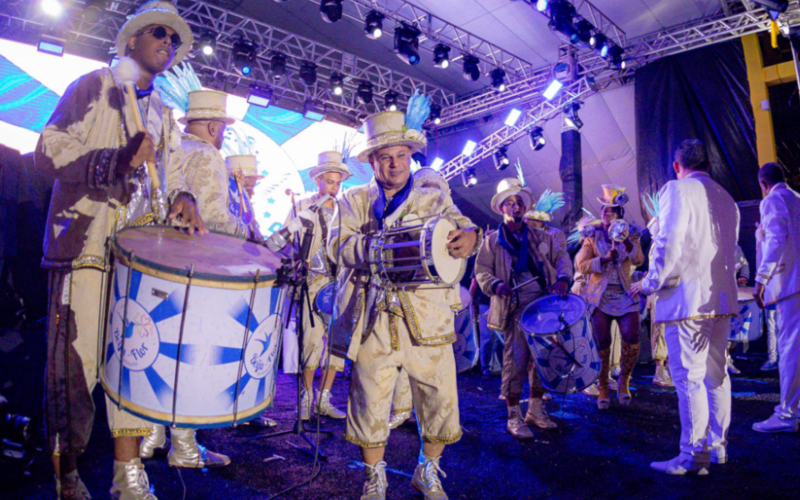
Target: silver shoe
column 155, row 442
column 262, row 421
column 305, row 405
column 662, row 378
column 376, row 483
column 72, row 488
column 186, row 453
column 325, row 408
column 397, row 419
column 426, row 478
column 516, row 425
column 130, row 481
column 537, row 415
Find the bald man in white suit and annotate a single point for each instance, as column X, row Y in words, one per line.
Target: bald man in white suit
column 693, row 275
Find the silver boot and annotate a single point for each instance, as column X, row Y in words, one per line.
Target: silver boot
column 156, row 441
column 426, row 478
column 325, row 408
column 72, row 488
column 186, row 453
column 376, row 483
column 537, row 415
column 131, row 482
column 305, row 405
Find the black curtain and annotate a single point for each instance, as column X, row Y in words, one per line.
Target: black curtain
column 701, row 94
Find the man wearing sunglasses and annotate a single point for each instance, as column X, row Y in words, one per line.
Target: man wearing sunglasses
column 92, row 148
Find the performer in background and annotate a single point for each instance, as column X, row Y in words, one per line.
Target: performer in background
column 692, row 275
column 92, row 147
column 243, row 176
column 778, row 282
column 541, row 215
column 770, row 311
column 205, row 118
column 329, row 174
column 743, row 275
column 397, row 329
column 514, row 255
column 608, row 267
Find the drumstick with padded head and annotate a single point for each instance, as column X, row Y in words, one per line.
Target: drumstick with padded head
column 126, row 73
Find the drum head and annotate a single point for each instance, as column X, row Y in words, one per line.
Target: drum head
column 324, row 299
column 215, row 256
column 449, row 269
column 541, row 317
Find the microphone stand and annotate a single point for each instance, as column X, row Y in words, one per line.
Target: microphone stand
column 297, row 279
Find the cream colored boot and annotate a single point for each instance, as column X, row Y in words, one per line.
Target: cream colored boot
column 156, row 441
column 325, row 408
column 186, row 453
column 130, row 481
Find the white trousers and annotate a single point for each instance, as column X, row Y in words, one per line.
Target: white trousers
column 697, row 358
column 788, row 326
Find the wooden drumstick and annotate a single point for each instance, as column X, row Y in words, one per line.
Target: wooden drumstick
column 126, row 73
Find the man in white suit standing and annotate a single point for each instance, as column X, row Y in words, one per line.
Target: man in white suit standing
column 778, row 282
column 692, row 273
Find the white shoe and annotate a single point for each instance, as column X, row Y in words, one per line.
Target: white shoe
column 325, row 408
column 662, row 378
column 305, row 405
column 592, row 390
column 776, row 424
column 130, row 481
column 516, row 425
column 732, row 369
column 262, row 421
column 398, row 419
column 681, row 466
column 376, row 483
column 426, row 478
column 155, row 442
column 537, row 415
column 186, row 453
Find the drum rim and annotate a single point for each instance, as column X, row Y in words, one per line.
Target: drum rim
column 583, row 316
column 184, row 273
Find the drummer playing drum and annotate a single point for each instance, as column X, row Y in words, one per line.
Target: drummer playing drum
column 517, row 254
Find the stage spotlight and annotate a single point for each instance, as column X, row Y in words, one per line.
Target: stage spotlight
column 498, row 76
column 390, row 100
column 571, row 118
column 537, row 138
column 552, row 89
column 207, row 43
column 337, row 83
column 562, row 14
column 52, row 7
column 364, row 92
column 541, row 5
column 243, row 55
column 471, row 69
column 512, row 117
column 469, row 148
column 406, row 43
column 441, row 56
column 436, row 114
column 373, row 24
column 599, row 42
column 259, row 97
column 277, row 66
column 314, row 111
column 308, row 73
column 93, row 10
column 501, row 160
column 469, row 178
column 584, row 31
column 437, row 163
column 330, row 10
column 774, row 7
column 616, row 56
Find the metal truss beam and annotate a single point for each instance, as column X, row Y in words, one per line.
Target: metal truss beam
column 218, row 72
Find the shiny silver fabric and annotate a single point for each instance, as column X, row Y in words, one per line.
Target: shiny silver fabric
column 131, row 482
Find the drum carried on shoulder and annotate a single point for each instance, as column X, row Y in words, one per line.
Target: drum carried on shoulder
column 191, row 339
column 560, row 338
column 746, row 326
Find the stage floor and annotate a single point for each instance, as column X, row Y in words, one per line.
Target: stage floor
column 593, row 454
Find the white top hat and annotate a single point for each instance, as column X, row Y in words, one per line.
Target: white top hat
column 158, row 13
column 207, row 105
column 510, row 187
column 427, row 175
column 389, row 129
column 613, row 196
column 244, row 163
column 330, row 161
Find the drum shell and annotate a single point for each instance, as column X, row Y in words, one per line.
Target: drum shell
column 323, row 302
column 746, row 326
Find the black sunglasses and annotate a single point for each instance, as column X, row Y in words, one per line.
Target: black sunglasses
column 159, row 32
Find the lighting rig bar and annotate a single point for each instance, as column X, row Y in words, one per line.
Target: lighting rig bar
column 437, row 30
column 217, row 71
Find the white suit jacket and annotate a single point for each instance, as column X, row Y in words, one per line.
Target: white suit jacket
column 778, row 266
column 693, row 270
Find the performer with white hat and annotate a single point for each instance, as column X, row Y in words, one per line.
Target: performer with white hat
column 96, row 145
column 243, row 175
column 517, row 254
column 397, row 329
column 692, row 273
column 329, row 174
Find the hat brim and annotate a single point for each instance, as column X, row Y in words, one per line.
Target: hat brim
column 605, row 203
column 412, row 144
column 500, row 197
column 161, row 17
column 185, row 120
column 342, row 169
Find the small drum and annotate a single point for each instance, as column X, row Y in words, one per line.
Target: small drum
column 207, row 301
column 560, row 338
column 323, row 304
column 465, row 348
column 747, row 325
column 425, row 259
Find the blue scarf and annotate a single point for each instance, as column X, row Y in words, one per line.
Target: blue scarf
column 380, row 209
column 525, row 261
column 142, row 93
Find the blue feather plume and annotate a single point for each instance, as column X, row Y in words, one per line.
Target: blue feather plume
column 651, row 204
column 174, row 86
column 419, row 107
column 520, row 176
column 550, row 201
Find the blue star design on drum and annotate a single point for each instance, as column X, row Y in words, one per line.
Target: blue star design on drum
column 557, row 371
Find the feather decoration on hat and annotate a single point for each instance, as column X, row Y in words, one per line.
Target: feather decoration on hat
column 575, row 235
column 238, row 143
column 174, row 86
column 347, row 145
column 520, row 176
column 419, row 107
column 652, row 205
column 550, row 201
